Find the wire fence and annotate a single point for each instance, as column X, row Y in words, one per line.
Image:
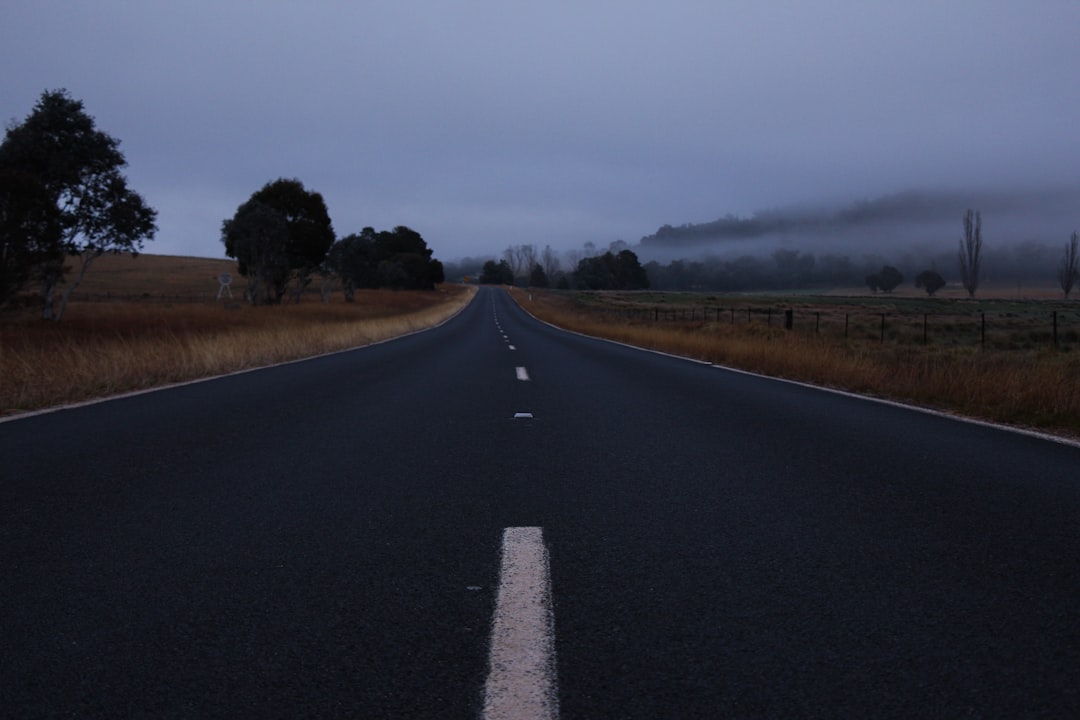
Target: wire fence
column 1009, row 329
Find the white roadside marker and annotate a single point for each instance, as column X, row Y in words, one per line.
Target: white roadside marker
column 521, row 679
column 522, row 374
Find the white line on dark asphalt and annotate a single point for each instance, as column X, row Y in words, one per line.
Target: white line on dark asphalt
column 511, row 347
column 522, row 373
column 521, row 677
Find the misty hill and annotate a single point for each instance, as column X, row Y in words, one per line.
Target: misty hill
column 911, row 208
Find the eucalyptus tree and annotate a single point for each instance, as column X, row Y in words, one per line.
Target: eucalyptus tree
column 929, row 280
column 268, row 258
column 78, row 203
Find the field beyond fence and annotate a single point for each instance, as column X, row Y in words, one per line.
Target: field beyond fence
column 1003, row 360
column 1004, row 325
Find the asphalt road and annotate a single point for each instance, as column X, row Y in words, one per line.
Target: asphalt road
column 321, row 539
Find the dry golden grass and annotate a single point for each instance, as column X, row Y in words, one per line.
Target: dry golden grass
column 104, row 348
column 1039, row 388
column 155, row 276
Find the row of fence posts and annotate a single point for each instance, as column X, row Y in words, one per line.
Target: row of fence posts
column 789, row 321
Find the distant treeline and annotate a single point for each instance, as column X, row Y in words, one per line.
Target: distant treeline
column 1028, row 264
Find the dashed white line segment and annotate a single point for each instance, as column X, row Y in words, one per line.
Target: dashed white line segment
column 522, row 374
column 521, row 679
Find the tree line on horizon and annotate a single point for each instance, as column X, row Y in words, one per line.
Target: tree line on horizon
column 607, row 271
column 791, row 269
column 63, row 196
column 752, row 272
column 282, row 235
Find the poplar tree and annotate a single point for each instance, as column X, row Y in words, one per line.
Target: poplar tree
column 1069, row 270
column 971, row 251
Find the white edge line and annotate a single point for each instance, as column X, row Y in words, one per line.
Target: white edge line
column 521, row 682
column 836, row 391
column 170, row 386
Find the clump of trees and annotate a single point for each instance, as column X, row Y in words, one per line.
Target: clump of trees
column 611, row 271
column 398, row 259
column 283, row 235
column 521, row 263
column 63, row 196
column 886, row 280
column 930, row 281
column 497, row 273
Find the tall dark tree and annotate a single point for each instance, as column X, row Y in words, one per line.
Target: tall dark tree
column 258, row 237
column 538, row 278
column 310, row 231
column 1069, row 270
column 971, row 251
column 628, row 272
column 593, row 273
column 889, row 278
column 354, row 259
column 29, row 231
column 405, row 260
column 930, row 281
column 76, row 167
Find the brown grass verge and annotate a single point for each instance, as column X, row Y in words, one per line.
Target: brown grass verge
column 1035, row 389
column 105, row 348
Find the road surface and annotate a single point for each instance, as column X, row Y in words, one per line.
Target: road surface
column 322, row 539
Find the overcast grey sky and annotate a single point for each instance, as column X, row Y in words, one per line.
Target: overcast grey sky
column 488, row 123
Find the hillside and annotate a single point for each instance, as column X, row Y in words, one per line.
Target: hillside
column 155, row 275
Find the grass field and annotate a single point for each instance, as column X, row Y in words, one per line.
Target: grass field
column 1018, row 375
column 141, row 322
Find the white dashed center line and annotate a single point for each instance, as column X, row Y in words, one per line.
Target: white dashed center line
column 522, row 373
column 521, row 678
